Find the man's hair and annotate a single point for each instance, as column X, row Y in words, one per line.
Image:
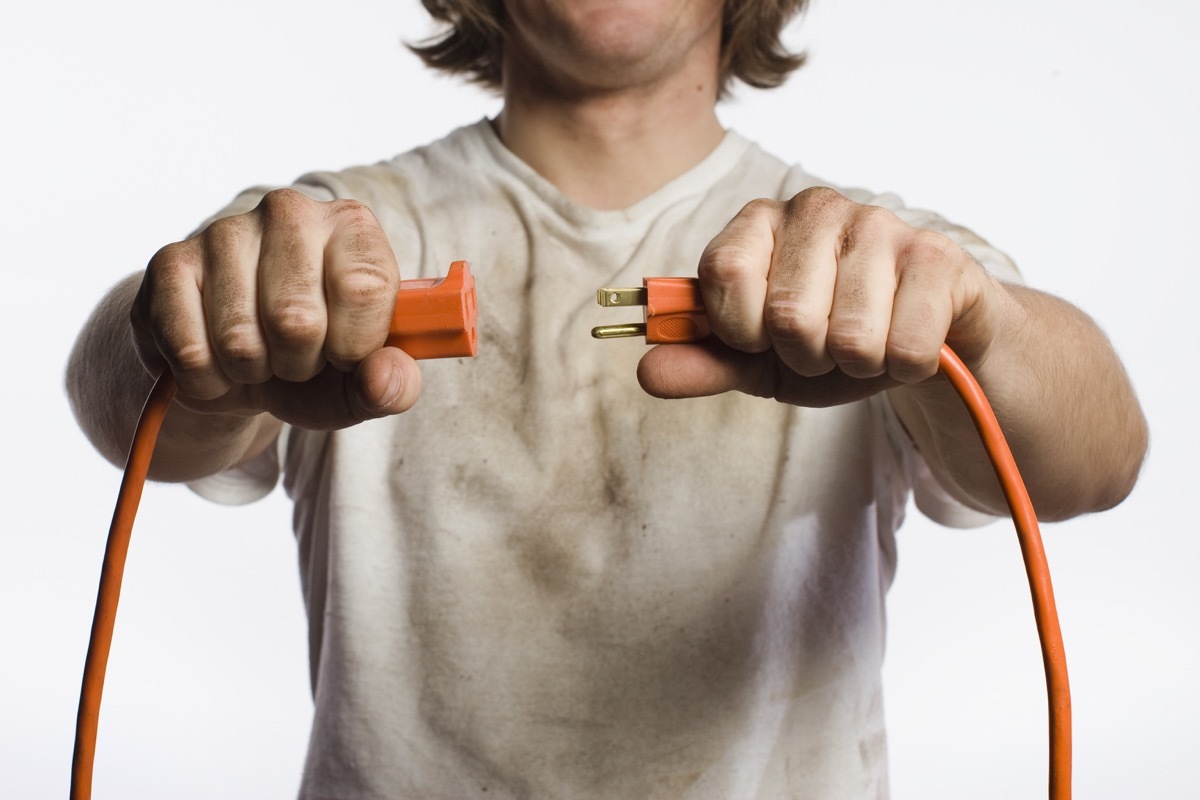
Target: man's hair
column 751, row 48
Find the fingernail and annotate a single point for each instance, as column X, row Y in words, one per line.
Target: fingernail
column 395, row 381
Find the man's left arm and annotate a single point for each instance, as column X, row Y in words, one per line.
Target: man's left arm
column 820, row 300
column 1063, row 399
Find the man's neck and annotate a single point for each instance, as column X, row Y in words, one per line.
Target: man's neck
column 609, row 149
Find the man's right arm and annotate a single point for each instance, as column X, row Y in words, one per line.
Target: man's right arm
column 107, row 385
column 276, row 315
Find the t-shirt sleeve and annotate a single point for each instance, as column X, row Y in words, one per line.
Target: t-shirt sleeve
column 248, row 482
column 929, row 496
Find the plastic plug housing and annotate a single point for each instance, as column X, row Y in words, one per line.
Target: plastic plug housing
column 437, row 317
column 674, row 311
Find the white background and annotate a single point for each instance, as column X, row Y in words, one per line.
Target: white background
column 1064, row 131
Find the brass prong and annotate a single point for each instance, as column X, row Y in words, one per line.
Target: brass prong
column 619, row 331
column 621, row 297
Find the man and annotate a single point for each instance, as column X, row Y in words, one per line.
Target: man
column 538, row 581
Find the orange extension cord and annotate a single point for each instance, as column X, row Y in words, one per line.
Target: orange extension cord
column 130, row 494
column 1024, row 518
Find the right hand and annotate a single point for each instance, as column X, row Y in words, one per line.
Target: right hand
column 284, row 309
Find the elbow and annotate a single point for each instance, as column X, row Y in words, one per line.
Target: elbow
column 1127, row 467
column 1106, row 479
column 88, row 398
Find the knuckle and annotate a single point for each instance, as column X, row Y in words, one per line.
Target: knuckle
column 356, row 225
column 191, row 362
column 189, row 359
column 876, row 217
column 366, row 270
column 733, row 251
column 908, row 359
column 171, row 265
column 869, row 226
column 223, row 234
column 932, row 248
column 160, row 304
column 284, row 207
column 819, row 195
column 297, row 324
column 724, row 263
column 760, row 206
column 875, row 221
column 240, row 343
column 743, row 246
column 853, row 342
column 352, row 212
column 790, row 319
column 817, row 201
column 366, row 283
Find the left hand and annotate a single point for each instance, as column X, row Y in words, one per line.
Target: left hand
column 820, row 300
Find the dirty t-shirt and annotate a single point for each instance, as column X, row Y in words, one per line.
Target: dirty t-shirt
column 541, row 582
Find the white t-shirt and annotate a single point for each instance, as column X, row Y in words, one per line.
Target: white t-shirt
column 541, row 582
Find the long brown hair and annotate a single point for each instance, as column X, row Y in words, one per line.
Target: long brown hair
column 751, row 48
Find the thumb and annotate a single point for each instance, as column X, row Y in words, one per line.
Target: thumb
column 710, row 367
column 703, row 369
column 386, row 382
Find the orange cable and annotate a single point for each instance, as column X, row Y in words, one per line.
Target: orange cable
column 432, row 318
column 1054, row 660
column 1015, row 493
column 130, row 494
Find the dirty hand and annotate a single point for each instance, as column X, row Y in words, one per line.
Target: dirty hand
column 284, row 309
column 820, row 300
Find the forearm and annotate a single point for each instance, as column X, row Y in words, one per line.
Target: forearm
column 107, row 386
column 1063, row 400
